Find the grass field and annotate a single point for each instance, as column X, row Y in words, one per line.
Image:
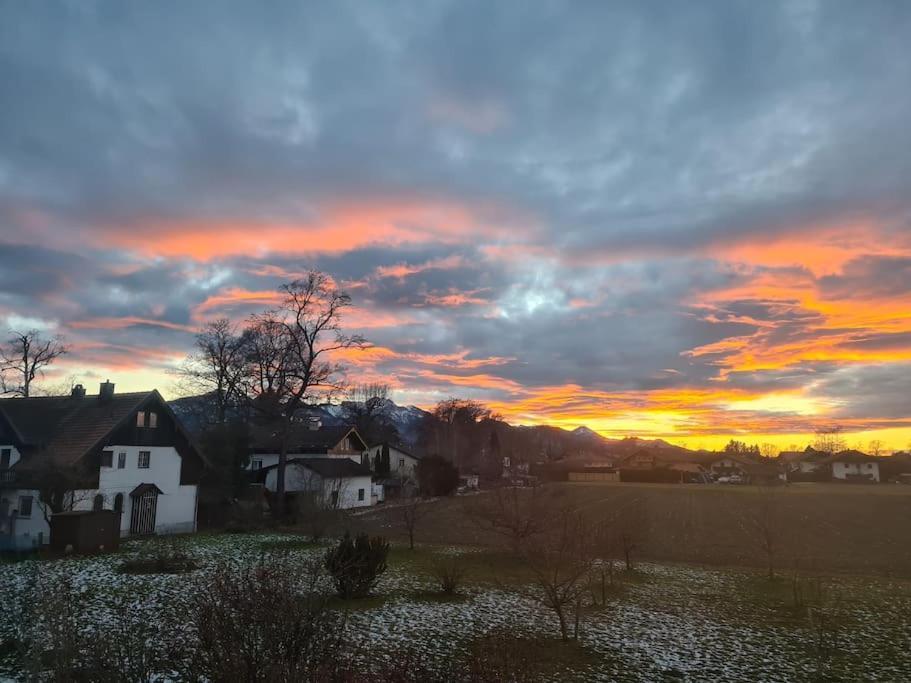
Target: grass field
column 825, row 527
column 664, row 621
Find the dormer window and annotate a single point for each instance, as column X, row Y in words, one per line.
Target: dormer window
column 107, row 458
column 146, row 419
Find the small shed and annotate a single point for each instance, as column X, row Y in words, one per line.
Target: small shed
column 85, row 531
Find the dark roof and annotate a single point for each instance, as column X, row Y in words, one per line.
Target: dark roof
column 66, row 427
column 142, row 489
column 333, row 468
column 266, row 438
column 398, row 447
column 853, row 456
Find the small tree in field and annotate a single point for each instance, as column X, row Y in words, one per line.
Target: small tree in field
column 356, row 565
column 763, row 521
column 517, row 514
column 560, row 562
column 413, row 512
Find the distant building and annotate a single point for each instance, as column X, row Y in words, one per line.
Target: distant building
column 402, row 463
column 854, row 465
column 310, row 439
column 339, row 482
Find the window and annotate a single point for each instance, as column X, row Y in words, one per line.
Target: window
column 107, row 458
column 360, row 494
column 145, row 458
column 153, row 420
column 5, row 455
column 98, row 502
column 140, row 419
column 121, row 460
column 257, row 464
column 401, row 463
column 25, row 506
column 118, row 503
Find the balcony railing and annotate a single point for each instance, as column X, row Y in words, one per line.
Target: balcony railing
column 7, row 476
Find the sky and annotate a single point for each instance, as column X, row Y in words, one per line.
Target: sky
column 680, row 220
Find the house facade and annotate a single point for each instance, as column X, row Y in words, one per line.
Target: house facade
column 855, row 466
column 338, row 483
column 123, row 452
column 402, row 464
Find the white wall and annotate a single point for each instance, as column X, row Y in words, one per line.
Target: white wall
column 841, row 470
column 176, row 511
column 14, row 455
column 31, row 531
column 299, row 478
column 396, row 467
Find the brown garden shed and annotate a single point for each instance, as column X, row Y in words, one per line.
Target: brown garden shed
column 85, row 531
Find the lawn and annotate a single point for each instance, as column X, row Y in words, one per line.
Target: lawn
column 664, row 622
column 864, row 529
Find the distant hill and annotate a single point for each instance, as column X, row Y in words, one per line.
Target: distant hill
column 530, row 443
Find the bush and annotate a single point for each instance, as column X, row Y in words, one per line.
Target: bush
column 162, row 560
column 356, row 565
column 437, row 476
column 269, row 622
column 449, row 572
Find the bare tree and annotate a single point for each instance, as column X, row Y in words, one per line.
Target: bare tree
column 829, row 440
column 24, row 358
column 366, row 404
column 217, row 366
column 291, row 353
column 413, row 512
column 560, row 563
column 876, row 448
column 518, row 514
column 763, row 521
column 769, row 450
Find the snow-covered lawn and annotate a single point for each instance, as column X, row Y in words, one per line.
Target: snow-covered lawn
column 668, row 622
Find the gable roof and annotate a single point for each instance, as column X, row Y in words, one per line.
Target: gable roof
column 67, row 427
column 395, row 446
column 266, row 438
column 853, row 456
column 329, row 468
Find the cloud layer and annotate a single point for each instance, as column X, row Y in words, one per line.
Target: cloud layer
column 688, row 221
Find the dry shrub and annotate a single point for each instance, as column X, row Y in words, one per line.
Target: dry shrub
column 269, row 622
column 449, row 572
column 357, row 564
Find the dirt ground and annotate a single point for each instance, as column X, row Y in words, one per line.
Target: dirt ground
column 816, row 527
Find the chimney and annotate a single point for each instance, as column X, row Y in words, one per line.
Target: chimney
column 78, row 391
column 106, row 390
column 315, row 423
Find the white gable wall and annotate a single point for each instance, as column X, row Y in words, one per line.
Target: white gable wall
column 400, row 463
column 299, row 478
column 176, row 512
column 841, row 470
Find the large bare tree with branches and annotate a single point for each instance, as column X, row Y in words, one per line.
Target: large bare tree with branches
column 24, row 358
column 217, row 366
column 292, row 356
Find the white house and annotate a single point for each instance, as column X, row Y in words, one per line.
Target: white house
column 309, row 439
column 854, row 465
column 125, row 452
column 402, row 463
column 340, row 483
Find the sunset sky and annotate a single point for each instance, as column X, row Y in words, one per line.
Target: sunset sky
column 680, row 220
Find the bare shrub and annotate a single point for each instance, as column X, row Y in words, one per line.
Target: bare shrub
column 560, row 562
column 269, row 622
column 449, row 572
column 516, row 514
column 314, row 516
column 763, row 522
column 413, row 512
column 356, row 565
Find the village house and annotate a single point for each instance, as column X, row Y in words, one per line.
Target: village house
column 123, row 452
column 854, row 466
column 402, row 463
column 309, row 439
column 339, row 483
